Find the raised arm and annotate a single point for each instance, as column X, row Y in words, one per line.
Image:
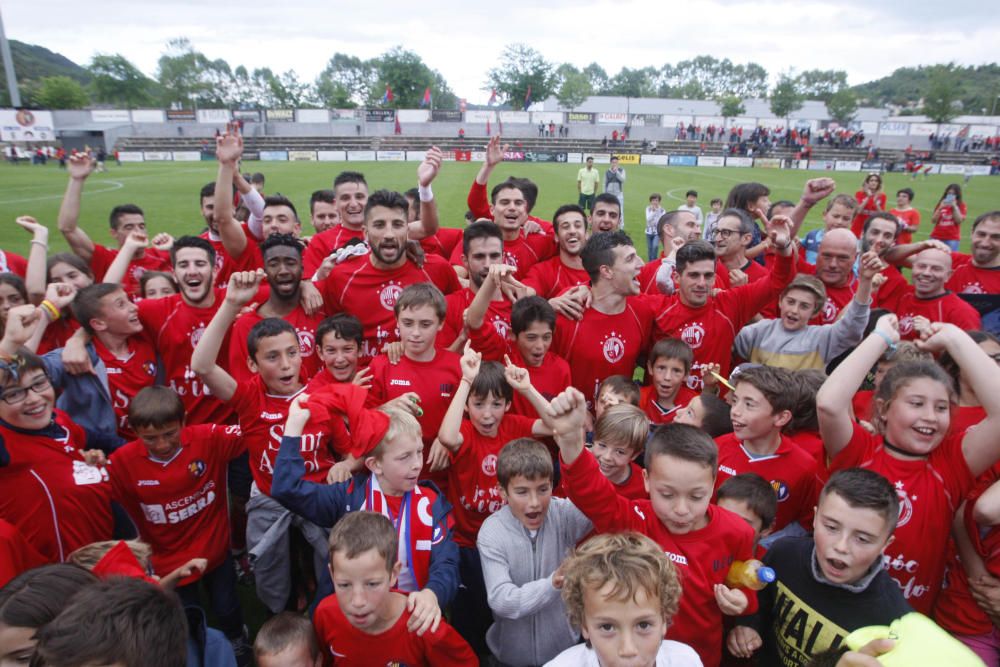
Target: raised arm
column 119, row 265
column 243, row 287
column 35, row 276
column 478, row 200
column 520, row 380
column 228, row 149
column 79, row 167
column 427, row 171
column 815, row 191
column 834, row 397
column 565, row 417
column 450, row 434
column 253, row 200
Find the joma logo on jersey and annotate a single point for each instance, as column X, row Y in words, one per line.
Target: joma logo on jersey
column 395, row 382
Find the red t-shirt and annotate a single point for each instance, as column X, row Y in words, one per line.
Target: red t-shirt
column 967, row 278
column 443, row 243
column 657, row 413
column 226, row 265
column 174, row 328
column 702, row 557
column 262, row 420
column 876, row 203
column 965, row 417
column 370, row 294
column 348, row 646
column 946, row 228
column 647, row 276
column 151, row 260
column 930, row 491
column 58, row 332
column 180, row 506
column 497, row 314
column 910, row 218
column 549, row 378
column 305, row 328
column 522, row 252
column 892, row 289
column 552, row 277
column 633, row 488
column 127, row 377
column 791, row 471
column 944, row 308
column 473, row 489
column 711, row 329
column 56, row 501
column 322, row 244
column 602, row 345
column 11, row 263
column 433, row 381
column 16, row 554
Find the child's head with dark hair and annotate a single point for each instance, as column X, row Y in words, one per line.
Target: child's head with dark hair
column 619, row 437
column 990, row 345
column 65, row 267
column 106, row 308
column 489, row 398
column 157, row 284
column 533, row 321
column 525, row 475
column 751, row 197
column 805, row 384
column 681, row 463
column 287, row 640
column 615, row 389
column 27, row 396
column 763, row 404
column 121, row 621
column 257, row 178
column 854, row 522
column 606, row 254
column 12, row 293
column 667, row 365
column 617, row 579
column 339, row 339
column 905, row 383
column 707, row 412
column 273, row 351
column 364, row 565
column 752, row 498
column 420, row 311
column 156, row 415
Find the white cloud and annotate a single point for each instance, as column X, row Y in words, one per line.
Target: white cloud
column 867, row 39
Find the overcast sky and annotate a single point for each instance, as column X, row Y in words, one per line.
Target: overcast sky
column 463, row 39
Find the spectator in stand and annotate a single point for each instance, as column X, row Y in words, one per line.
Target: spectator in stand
column 870, row 199
column 949, row 214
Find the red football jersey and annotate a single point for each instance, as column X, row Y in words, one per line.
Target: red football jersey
column 549, row 378
column 226, row 265
column 930, row 491
column 322, row 244
column 56, row 501
column 702, row 557
column 443, row 243
column 433, row 381
column 522, row 252
column 16, row 554
column 754, row 271
column 633, row 488
column 151, row 260
column 657, row 413
column 945, row 308
column 910, row 218
column 473, row 489
column 58, row 332
column 262, row 420
column 552, row 277
column 348, row 646
column 967, row 278
column 946, row 228
column 359, row 288
column 180, row 506
column 174, row 328
column 128, row 376
column 602, row 345
column 497, row 314
column 11, row 263
column 790, row 470
column 305, row 327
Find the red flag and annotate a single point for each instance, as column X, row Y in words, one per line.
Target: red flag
column 427, row 97
column 388, row 96
column 493, row 98
column 399, row 128
column 489, row 132
column 527, row 98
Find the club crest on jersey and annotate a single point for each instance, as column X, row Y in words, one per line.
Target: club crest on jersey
column 197, row 468
column 905, row 505
column 780, row 490
column 137, row 272
column 196, row 334
column 693, row 334
column 149, row 368
column 389, row 293
column 829, row 310
column 501, row 327
column 613, row 347
column 905, row 325
column 510, row 259
column 307, row 343
column 973, row 288
column 490, row 465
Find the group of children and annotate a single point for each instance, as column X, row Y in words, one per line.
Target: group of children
column 415, row 458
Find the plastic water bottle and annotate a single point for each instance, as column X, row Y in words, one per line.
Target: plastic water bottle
column 749, row 574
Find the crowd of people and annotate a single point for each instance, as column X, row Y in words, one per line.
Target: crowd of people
column 428, row 445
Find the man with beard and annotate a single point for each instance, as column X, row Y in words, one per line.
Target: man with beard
column 929, row 299
column 283, row 269
column 607, row 213
column 671, row 225
column 557, row 274
column 979, row 273
column 368, row 286
column 323, row 211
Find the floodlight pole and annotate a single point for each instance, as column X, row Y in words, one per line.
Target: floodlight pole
column 8, row 66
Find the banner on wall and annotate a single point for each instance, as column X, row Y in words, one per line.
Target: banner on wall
column 343, row 115
column 182, row 115
column 331, row 156
column 612, row 118
column 739, row 161
column 361, row 156
column 380, row 115
column 24, row 125
column 157, row 156
column 767, row 162
column 312, row 116
column 513, row 156
column 247, row 115
column 187, row 156
column 683, row 161
column 302, row 156
column 110, row 116
column 658, row 160
column 130, row 156
column 148, row 116
column 711, row 161
column 390, row 156
column 213, row 115
column 821, row 165
column 280, row 115
column 544, row 157
column 446, row 116
column 579, row 117
column 627, row 158
column 847, row 165
column 273, row 156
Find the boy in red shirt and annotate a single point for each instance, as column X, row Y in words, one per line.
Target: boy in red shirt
column 701, row 539
column 908, row 216
column 764, row 398
column 172, row 482
column 112, row 320
column 752, row 498
column 365, row 622
column 667, row 366
column 338, row 346
column 262, row 407
column 469, row 447
column 620, row 436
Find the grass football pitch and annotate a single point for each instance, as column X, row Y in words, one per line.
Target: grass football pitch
column 168, row 192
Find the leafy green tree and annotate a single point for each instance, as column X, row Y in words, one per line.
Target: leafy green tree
column 520, row 67
column 62, row 92
column 820, row 84
column 706, row 77
column 634, row 82
column 345, row 82
column 574, row 87
column 117, row 81
column 180, row 73
column 941, row 102
column 786, row 97
column 842, row 106
column 408, row 76
column 598, row 78
column 731, row 106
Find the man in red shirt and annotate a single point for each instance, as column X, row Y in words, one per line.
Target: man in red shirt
column 928, row 297
column 554, row 276
column 681, row 225
column 124, row 219
column 368, row 286
column 731, row 236
column 709, row 324
column 835, row 267
column 615, row 329
column 979, row 273
column 323, row 210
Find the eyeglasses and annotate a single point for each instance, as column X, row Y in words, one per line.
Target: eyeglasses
column 15, row 396
column 724, row 233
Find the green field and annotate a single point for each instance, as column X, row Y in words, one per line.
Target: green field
column 168, row 192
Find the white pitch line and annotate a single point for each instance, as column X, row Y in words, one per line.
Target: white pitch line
column 118, row 186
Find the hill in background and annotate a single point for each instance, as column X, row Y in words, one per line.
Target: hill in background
column 32, row 63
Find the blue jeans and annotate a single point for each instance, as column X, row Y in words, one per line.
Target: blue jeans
column 951, row 244
column 652, row 246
